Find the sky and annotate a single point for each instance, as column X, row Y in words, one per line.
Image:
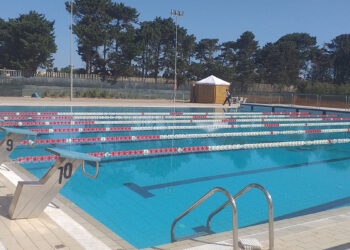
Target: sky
column 222, row 19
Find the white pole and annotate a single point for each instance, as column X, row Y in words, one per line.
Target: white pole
column 175, row 86
column 176, row 14
column 71, row 45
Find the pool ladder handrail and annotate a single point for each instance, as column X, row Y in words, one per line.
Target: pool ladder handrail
column 230, row 201
column 239, row 194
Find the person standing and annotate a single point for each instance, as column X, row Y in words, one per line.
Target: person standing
column 228, row 97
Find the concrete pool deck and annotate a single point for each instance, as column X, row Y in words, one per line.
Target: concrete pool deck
column 44, row 102
column 325, row 230
column 62, row 225
column 328, row 230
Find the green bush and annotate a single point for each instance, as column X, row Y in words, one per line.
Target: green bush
column 113, row 94
column 64, row 93
column 79, row 93
column 105, row 94
column 324, row 88
column 94, row 93
column 46, row 93
column 55, row 94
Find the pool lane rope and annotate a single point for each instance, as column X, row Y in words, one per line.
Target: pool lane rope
column 26, row 118
column 138, row 138
column 146, row 113
column 186, row 150
column 65, row 123
column 191, row 127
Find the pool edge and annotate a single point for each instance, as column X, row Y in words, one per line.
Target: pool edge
column 90, row 224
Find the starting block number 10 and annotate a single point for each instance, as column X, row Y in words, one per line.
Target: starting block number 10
column 65, row 172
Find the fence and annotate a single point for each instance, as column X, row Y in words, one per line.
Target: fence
column 324, row 101
column 107, row 78
column 10, row 73
column 5, row 73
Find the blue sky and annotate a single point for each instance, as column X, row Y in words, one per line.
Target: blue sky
column 223, row 19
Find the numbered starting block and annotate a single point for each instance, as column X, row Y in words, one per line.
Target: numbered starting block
column 32, row 197
column 12, row 140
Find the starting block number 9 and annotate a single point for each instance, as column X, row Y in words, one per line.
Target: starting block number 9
column 9, row 144
column 65, row 172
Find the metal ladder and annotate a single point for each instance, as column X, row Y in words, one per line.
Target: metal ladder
column 244, row 243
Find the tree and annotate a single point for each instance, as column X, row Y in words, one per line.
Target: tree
column 246, row 49
column 305, row 44
column 90, row 27
column 3, row 37
column 227, row 55
column 124, row 40
column 105, row 35
column 157, row 39
column 321, row 68
column 185, row 50
column 339, row 50
column 278, row 63
column 286, row 60
column 27, row 42
column 206, row 49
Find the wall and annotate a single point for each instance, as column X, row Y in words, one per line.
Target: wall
column 205, row 93
column 27, row 86
column 220, row 94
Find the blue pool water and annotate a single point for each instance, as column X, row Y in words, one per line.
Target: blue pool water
column 300, row 180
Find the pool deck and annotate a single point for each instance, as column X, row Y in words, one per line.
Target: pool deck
column 329, row 230
column 63, row 225
column 96, row 102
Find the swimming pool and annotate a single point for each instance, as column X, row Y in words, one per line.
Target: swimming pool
column 138, row 198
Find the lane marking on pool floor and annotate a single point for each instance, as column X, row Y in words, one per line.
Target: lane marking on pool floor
column 67, row 223
column 144, row 190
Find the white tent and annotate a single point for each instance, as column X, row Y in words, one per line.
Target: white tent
column 213, row 80
column 210, row 90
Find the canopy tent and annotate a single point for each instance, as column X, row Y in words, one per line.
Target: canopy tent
column 213, row 80
column 209, row 90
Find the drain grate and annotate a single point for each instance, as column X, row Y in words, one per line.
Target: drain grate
column 60, row 246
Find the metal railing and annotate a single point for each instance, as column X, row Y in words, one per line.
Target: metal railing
column 10, row 73
column 6, row 73
column 230, row 201
column 239, row 194
column 290, row 98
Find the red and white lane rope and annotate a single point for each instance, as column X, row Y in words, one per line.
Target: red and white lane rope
column 26, row 118
column 184, row 150
column 138, row 138
column 205, row 127
column 144, row 113
column 63, row 123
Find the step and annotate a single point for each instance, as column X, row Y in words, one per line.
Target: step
column 249, row 243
